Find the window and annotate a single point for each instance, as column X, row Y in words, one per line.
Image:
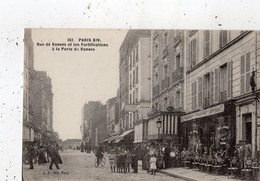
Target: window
column 206, row 43
column 165, row 71
column 194, row 95
column 165, row 40
column 133, row 97
column 137, row 58
column 130, row 61
column 165, row 103
column 223, row 78
column 130, row 99
column 134, row 58
column 206, row 89
column 192, row 53
column 245, row 73
column 200, row 92
column 177, row 100
column 133, row 78
column 136, row 97
column 156, row 48
column 130, row 82
column 178, row 61
column 136, row 74
column 223, row 38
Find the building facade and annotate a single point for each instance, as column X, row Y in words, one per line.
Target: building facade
column 42, row 105
column 135, row 83
column 167, row 85
column 220, row 105
column 28, row 130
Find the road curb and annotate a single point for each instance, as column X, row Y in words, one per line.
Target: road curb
column 177, row 176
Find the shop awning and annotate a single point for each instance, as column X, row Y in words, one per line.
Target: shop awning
column 112, row 138
column 121, row 137
column 106, row 140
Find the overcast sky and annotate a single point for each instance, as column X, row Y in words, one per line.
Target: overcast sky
column 77, row 77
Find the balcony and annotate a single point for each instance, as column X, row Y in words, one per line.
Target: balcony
column 165, row 83
column 177, row 75
column 165, row 52
column 206, row 102
column 177, row 40
column 223, row 96
column 155, row 90
column 155, row 61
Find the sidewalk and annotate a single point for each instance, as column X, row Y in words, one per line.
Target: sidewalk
column 191, row 175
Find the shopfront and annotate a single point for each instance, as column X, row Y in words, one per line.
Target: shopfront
column 213, row 127
column 167, row 130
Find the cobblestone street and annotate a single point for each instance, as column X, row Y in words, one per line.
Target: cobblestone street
column 80, row 166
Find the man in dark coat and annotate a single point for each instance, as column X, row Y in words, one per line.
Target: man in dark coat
column 135, row 160
column 31, row 154
column 53, row 155
column 166, row 156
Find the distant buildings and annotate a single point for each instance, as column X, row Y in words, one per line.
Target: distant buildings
column 93, row 124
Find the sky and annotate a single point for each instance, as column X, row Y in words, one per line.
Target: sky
column 77, row 76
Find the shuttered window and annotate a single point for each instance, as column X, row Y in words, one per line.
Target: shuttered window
column 200, row 100
column 229, row 79
column 192, row 53
column 194, row 95
column 206, row 43
column 245, row 73
column 223, row 38
column 217, row 85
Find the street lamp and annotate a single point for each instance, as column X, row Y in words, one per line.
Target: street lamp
column 158, row 124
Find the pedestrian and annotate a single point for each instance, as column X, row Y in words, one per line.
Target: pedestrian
column 147, row 161
column 135, row 160
column 112, row 158
column 153, row 161
column 54, row 160
column 31, row 154
column 41, row 156
column 128, row 160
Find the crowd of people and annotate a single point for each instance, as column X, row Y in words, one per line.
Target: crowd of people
column 39, row 153
column 157, row 156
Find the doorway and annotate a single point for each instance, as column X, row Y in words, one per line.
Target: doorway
column 247, row 127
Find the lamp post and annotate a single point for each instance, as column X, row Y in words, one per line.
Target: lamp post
column 158, row 124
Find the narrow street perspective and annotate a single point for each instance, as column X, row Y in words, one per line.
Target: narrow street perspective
column 141, row 105
column 80, row 166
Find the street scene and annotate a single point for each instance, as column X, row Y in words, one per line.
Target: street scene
column 141, row 105
column 80, row 166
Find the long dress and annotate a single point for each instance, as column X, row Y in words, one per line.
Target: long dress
column 153, row 163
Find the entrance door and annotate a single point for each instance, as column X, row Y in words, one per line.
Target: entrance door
column 247, row 127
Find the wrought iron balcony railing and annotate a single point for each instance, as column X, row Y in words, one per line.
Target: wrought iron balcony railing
column 156, row 90
column 165, row 83
column 223, row 96
column 177, row 75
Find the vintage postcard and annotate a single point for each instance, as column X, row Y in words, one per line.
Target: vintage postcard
column 126, row 104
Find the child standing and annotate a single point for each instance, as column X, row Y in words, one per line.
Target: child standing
column 112, row 161
column 153, row 164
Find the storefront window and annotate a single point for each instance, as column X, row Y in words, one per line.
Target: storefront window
column 209, row 132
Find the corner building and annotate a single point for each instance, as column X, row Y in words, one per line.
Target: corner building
column 220, row 105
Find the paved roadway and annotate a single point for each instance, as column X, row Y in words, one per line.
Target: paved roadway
column 80, row 166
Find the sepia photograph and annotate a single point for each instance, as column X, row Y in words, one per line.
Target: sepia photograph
column 141, row 104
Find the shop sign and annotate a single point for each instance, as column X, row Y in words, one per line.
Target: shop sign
column 204, row 113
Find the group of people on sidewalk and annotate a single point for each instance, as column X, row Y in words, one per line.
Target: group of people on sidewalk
column 36, row 152
column 121, row 160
